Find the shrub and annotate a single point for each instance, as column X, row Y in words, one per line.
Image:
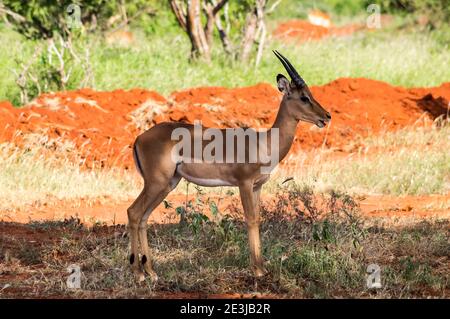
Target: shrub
column 41, row 18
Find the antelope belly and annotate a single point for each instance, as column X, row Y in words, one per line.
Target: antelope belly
column 208, row 182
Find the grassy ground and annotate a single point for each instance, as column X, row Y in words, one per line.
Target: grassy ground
column 411, row 161
column 309, row 254
column 159, row 61
column 30, row 176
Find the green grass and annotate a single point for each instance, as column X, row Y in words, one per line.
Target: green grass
column 159, row 61
column 338, row 10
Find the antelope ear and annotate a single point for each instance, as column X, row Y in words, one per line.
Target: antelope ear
column 283, row 84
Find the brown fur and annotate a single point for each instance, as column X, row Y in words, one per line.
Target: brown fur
column 161, row 174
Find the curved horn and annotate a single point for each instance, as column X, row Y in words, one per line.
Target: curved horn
column 295, row 77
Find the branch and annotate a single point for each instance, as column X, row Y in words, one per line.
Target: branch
column 179, row 14
column 219, row 6
column 128, row 20
column 21, row 78
column 272, row 7
column 209, row 26
column 222, row 33
column 224, row 37
column 14, row 15
column 211, row 10
column 60, row 55
column 253, row 23
column 262, row 29
column 227, row 18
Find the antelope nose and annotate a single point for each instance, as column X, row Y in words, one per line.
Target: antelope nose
column 328, row 115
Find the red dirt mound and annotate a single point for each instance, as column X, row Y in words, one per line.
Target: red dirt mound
column 301, row 31
column 97, row 122
column 358, row 106
column 103, row 125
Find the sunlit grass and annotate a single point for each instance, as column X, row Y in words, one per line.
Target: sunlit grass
column 411, row 161
column 156, row 65
column 27, row 178
column 159, row 61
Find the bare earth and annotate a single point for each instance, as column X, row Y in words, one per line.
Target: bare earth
column 413, row 207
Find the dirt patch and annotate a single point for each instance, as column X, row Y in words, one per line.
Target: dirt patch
column 96, row 122
column 203, row 263
column 103, row 125
column 299, row 31
column 114, row 212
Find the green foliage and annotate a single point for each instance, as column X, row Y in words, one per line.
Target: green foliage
column 437, row 11
column 44, row 18
column 294, row 9
column 348, row 7
column 162, row 21
column 158, row 58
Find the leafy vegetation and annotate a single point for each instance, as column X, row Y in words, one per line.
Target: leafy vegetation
column 158, row 58
column 43, row 19
column 436, row 12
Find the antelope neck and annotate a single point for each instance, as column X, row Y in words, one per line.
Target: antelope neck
column 287, row 126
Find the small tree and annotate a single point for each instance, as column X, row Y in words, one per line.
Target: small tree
column 199, row 18
column 41, row 19
column 58, row 22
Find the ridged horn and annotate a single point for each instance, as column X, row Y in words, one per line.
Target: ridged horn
column 295, row 77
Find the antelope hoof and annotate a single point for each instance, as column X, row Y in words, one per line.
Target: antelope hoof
column 153, row 276
column 139, row 276
column 149, row 269
column 259, row 271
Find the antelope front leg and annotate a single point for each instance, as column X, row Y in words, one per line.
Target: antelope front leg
column 135, row 212
column 146, row 253
column 134, row 256
column 248, row 198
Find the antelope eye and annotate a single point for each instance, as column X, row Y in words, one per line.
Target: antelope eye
column 304, row 99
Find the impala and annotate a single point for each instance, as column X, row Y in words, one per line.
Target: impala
column 161, row 171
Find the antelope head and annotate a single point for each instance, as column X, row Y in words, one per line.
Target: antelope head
column 297, row 97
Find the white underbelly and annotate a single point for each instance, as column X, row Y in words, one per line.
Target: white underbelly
column 208, row 182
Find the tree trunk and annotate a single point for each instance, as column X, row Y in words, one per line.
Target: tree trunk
column 254, row 19
column 190, row 21
column 226, row 43
column 196, row 33
column 188, row 14
column 249, row 36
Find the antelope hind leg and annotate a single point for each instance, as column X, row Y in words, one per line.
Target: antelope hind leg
column 135, row 212
column 252, row 217
column 146, row 252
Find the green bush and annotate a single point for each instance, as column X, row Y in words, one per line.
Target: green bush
column 43, row 18
column 436, row 11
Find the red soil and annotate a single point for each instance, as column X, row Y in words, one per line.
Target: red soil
column 114, row 212
column 103, row 125
column 301, row 31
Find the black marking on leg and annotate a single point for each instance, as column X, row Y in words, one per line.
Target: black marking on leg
column 132, row 259
column 144, row 259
